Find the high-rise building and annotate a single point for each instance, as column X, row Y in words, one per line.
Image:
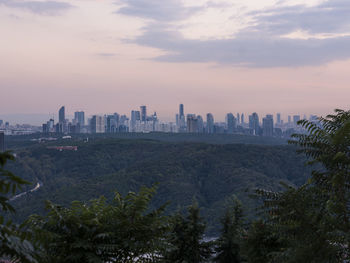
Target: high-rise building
column 123, row 124
column 62, row 120
column 44, row 128
column 51, row 125
column 238, row 118
column 2, row 141
column 181, row 119
column 231, row 122
column 97, row 124
column 268, row 126
column 79, row 117
column 210, row 123
column 111, row 124
column 135, row 118
column 254, row 123
column 296, row 118
column 181, row 110
column 278, row 118
column 143, row 113
column 61, row 115
column 242, row 118
column 289, row 119
column 200, row 124
column 1, row 122
column 192, row 123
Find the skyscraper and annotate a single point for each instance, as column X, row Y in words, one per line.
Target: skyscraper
column 268, row 126
column 238, row 118
column 135, row 117
column 192, row 123
column 61, row 115
column 210, row 123
column 111, row 124
column 242, row 118
column 278, row 118
column 181, row 110
column 97, row 124
column 79, row 117
column 181, row 120
column 143, row 113
column 2, row 141
column 62, row 120
column 200, row 124
column 296, row 118
column 231, row 122
column 254, row 123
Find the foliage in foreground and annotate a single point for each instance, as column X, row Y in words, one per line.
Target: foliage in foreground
column 14, row 241
column 313, row 221
column 126, row 230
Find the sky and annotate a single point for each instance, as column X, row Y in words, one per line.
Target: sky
column 218, row 56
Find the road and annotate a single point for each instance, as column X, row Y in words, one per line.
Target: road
column 36, row 188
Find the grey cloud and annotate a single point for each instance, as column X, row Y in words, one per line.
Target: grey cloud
column 261, row 45
column 249, row 50
column 159, row 10
column 42, row 8
column 328, row 17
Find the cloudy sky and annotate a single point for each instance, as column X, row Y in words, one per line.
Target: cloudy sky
column 219, row 56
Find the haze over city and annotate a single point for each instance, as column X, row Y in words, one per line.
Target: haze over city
column 214, row 56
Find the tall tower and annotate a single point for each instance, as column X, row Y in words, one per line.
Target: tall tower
column 231, row 122
column 79, row 117
column 278, row 118
column 181, row 120
column 254, row 123
column 192, row 123
column 268, row 125
column 143, row 113
column 61, row 115
column 210, row 123
column 181, row 110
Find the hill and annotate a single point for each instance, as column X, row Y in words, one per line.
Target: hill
column 211, row 173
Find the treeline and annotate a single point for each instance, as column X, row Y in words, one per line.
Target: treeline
column 308, row 223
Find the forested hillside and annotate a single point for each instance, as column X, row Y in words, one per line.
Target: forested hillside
column 209, row 173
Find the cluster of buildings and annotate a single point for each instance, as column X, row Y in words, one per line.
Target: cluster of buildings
column 141, row 121
column 18, row 129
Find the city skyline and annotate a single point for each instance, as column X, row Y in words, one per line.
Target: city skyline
column 72, row 114
column 140, row 122
column 103, row 56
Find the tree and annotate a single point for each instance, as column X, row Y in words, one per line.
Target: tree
column 261, row 242
column 186, row 242
column 228, row 246
column 14, row 240
column 313, row 220
column 125, row 231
